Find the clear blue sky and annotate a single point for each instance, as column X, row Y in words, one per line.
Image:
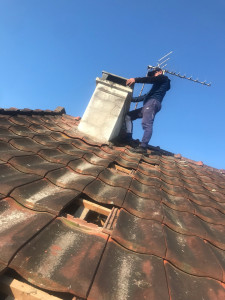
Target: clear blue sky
column 52, row 50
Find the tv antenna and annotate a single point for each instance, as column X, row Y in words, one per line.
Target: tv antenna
column 162, row 63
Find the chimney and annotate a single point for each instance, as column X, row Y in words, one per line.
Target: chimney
column 104, row 115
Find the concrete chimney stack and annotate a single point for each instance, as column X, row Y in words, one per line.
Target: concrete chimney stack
column 110, row 102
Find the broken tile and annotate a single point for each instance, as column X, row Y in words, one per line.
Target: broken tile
column 61, row 258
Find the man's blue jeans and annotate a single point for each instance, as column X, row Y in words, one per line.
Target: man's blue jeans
column 147, row 113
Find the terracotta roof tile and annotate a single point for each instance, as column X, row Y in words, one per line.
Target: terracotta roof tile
column 143, row 207
column 183, row 286
column 33, row 164
column 163, row 216
column 142, row 235
column 11, row 178
column 42, row 195
column 18, row 225
column 68, row 257
column 148, row 281
column 66, row 178
column 104, row 193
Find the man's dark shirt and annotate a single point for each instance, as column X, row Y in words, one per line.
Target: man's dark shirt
column 161, row 84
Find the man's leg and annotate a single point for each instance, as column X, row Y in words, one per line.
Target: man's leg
column 131, row 116
column 149, row 111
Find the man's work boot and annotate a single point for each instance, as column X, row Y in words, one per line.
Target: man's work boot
column 139, row 149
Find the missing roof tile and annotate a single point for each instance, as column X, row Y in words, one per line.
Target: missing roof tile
column 88, row 210
column 121, row 170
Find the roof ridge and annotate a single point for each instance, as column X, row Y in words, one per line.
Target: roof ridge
column 26, row 111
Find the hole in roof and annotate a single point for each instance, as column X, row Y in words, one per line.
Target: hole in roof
column 121, row 170
column 88, row 210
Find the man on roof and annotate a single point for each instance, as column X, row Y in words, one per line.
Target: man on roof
column 151, row 106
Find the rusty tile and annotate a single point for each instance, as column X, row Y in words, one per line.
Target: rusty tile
column 56, row 156
column 69, row 179
column 40, row 129
column 102, row 154
column 172, row 180
column 183, row 286
column 133, row 159
column 26, row 144
column 129, row 276
column 215, row 234
column 151, row 160
column 104, row 193
column 145, row 191
column 112, row 177
column 187, row 173
column 6, row 134
column 192, row 255
column 19, row 120
column 35, row 119
column 184, row 222
column 142, row 207
column 125, row 163
column 174, row 190
column 217, row 196
column 22, row 131
column 42, row 195
column 71, row 150
column 52, row 126
column 210, row 214
column 7, row 151
column 168, row 172
column 191, row 180
column 18, row 225
column 60, row 137
column 82, row 145
column 220, row 256
column 96, row 160
column 84, row 167
column 149, row 170
column 167, row 166
column 203, row 200
column 195, row 188
column 178, row 203
column 11, row 178
column 33, row 164
column 46, row 140
column 139, row 235
column 61, row 258
column 5, row 123
column 148, row 180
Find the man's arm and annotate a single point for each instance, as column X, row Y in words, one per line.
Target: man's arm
column 152, row 79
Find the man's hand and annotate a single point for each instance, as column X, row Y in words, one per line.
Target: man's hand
column 130, row 81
